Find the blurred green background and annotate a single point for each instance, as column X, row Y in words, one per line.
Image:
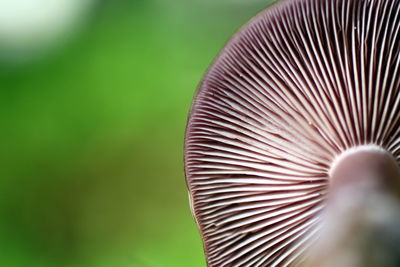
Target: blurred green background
column 92, row 129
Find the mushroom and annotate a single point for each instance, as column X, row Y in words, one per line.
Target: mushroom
column 294, row 133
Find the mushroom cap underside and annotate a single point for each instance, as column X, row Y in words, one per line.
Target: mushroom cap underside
column 300, row 84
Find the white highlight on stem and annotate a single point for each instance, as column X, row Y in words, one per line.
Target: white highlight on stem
column 351, row 151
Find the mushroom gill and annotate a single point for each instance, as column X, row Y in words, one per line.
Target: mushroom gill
column 298, row 87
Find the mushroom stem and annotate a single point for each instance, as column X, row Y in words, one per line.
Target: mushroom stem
column 360, row 226
column 365, row 165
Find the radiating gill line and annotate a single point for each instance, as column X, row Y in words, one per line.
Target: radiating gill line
column 265, row 205
column 239, row 198
column 262, row 146
column 236, row 153
column 266, row 80
column 210, row 190
column 305, row 238
column 384, row 123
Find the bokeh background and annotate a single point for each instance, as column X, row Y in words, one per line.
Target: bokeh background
column 94, row 97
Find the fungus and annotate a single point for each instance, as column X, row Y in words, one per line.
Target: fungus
column 302, row 104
